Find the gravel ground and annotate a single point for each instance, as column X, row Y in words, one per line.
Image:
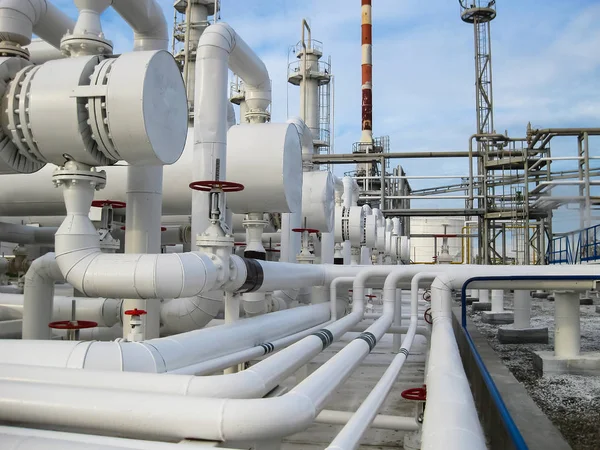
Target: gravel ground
column 572, row 402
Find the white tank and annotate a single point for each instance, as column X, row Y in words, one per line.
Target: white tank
column 422, row 250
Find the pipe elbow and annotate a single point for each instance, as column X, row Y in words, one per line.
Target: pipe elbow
column 150, row 29
column 44, row 269
column 220, row 36
column 17, row 19
column 191, row 313
column 266, row 418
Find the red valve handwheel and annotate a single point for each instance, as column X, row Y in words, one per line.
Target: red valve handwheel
column 239, row 244
column 68, row 325
column 370, row 296
column 417, row 394
column 427, row 316
column 302, row 230
column 113, row 203
column 427, row 296
column 135, row 312
column 209, row 185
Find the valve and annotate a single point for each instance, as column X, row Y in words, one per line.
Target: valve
column 427, row 316
column 415, row 394
column 107, row 242
column 305, row 256
column 216, row 188
column 136, row 323
column 427, row 295
column 72, row 326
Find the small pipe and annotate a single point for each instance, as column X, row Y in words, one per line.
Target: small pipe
column 350, row 436
column 381, row 421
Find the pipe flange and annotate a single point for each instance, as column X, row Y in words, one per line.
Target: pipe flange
column 74, row 172
column 212, row 241
column 9, row 49
column 85, row 44
column 258, row 115
column 98, row 115
column 17, row 112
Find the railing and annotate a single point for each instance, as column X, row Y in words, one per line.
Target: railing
column 323, row 68
column 576, row 247
column 589, row 244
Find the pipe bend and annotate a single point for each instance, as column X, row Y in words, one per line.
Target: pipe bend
column 283, row 416
column 148, row 22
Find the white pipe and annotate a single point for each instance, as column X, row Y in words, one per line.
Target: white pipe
column 143, row 276
column 174, row 416
column 209, row 367
column 19, row 20
column 396, row 342
column 282, row 414
column 381, row 421
column 32, row 439
column 41, row 52
column 165, row 354
column 104, row 311
column 522, row 307
column 451, row 421
column 148, row 22
column 181, row 315
column 286, row 228
column 333, row 293
column 497, row 300
column 39, row 296
column 26, row 235
column 350, row 436
column 220, row 48
column 348, row 183
column 327, row 248
column 567, row 331
column 144, row 183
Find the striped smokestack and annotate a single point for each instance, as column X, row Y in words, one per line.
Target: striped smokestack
column 367, row 73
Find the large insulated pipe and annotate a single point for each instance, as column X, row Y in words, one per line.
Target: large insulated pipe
column 148, row 22
column 20, row 19
column 39, row 297
column 367, row 72
column 144, row 183
column 26, row 235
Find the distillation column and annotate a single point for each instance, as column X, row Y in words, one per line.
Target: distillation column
column 313, row 76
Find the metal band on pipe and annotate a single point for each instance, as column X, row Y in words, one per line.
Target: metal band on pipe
column 326, row 337
column 369, row 338
column 254, row 276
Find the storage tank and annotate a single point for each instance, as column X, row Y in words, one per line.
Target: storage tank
column 422, row 249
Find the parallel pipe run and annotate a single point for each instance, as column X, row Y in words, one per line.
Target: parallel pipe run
column 450, row 421
column 166, row 354
column 350, row 436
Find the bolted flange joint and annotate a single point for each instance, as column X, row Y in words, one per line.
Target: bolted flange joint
column 73, row 172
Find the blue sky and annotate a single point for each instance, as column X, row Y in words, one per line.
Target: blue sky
column 546, row 67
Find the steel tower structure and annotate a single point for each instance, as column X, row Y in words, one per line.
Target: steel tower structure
column 480, row 14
